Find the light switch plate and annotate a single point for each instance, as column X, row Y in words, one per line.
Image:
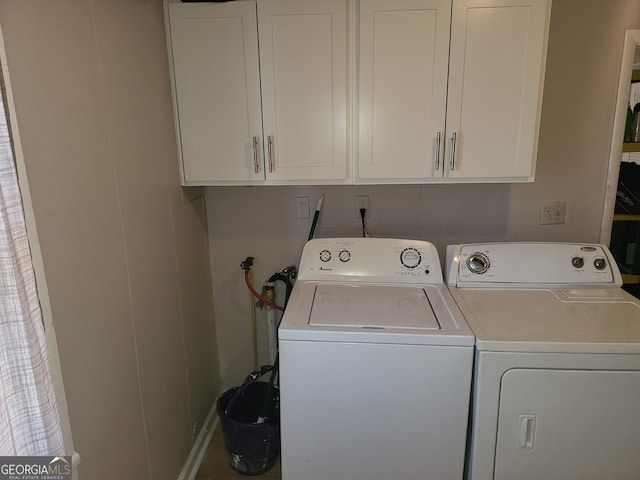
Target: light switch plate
column 302, row 207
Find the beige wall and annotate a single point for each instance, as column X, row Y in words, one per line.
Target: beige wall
column 126, row 259
column 583, row 65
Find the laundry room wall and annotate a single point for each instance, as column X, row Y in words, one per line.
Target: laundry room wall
column 583, row 65
column 125, row 253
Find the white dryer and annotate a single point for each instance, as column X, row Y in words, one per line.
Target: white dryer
column 557, row 367
column 375, row 365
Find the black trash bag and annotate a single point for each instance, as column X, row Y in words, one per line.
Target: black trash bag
column 253, row 447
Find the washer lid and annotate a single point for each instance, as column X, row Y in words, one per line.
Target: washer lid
column 375, row 307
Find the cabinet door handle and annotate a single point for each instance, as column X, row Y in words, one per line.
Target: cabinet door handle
column 436, row 163
column 452, row 159
column 270, row 150
column 256, row 164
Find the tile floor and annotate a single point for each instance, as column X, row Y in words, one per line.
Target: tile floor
column 215, row 466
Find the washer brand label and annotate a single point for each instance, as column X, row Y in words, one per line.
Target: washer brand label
column 35, row 468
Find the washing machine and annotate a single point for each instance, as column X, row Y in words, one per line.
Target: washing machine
column 375, row 365
column 556, row 392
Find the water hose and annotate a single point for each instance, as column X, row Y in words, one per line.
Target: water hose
column 269, row 292
column 246, row 266
column 284, row 276
column 287, row 280
column 254, row 325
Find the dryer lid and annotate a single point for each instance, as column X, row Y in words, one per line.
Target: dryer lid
column 372, row 307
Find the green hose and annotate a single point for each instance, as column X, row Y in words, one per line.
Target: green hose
column 267, row 397
column 315, row 217
column 274, row 372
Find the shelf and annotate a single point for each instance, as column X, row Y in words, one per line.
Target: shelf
column 631, row 147
column 628, row 279
column 623, row 217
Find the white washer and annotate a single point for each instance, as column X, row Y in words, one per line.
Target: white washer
column 557, row 368
column 375, row 365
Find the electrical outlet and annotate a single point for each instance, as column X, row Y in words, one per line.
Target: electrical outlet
column 302, row 207
column 552, row 212
column 362, row 201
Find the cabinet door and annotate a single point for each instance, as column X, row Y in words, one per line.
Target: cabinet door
column 498, row 51
column 217, row 89
column 303, row 67
column 404, row 49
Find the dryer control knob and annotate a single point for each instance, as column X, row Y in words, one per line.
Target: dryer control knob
column 478, row 262
column 577, row 262
column 600, row 263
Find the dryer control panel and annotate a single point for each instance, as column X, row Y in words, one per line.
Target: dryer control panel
column 370, row 260
column 534, row 264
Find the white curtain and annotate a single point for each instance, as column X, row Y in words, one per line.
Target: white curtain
column 29, row 421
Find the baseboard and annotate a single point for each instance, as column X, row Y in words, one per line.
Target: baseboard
column 199, row 449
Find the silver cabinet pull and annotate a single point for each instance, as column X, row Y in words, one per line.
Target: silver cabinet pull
column 270, row 149
column 256, row 164
column 436, row 164
column 452, row 160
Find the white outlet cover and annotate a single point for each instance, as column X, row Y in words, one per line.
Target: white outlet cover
column 553, row 212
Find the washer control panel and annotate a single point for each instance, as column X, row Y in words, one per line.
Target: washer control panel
column 533, row 264
column 370, row 259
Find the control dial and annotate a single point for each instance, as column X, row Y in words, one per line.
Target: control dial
column 410, row 257
column 600, row 263
column 478, row 263
column 344, row 255
column 325, row 255
column 577, row 262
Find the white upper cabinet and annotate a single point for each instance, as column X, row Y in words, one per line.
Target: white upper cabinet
column 261, row 96
column 303, row 66
column 441, row 90
column 492, row 71
column 496, row 77
column 217, row 90
column 404, row 56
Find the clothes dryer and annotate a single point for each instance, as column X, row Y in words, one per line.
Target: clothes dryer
column 375, row 365
column 557, row 363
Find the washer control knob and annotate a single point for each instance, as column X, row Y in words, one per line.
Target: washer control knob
column 600, row 263
column 577, row 262
column 325, row 255
column 344, row 255
column 478, row 263
column 410, row 257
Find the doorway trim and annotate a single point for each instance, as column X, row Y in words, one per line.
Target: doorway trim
column 631, row 42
